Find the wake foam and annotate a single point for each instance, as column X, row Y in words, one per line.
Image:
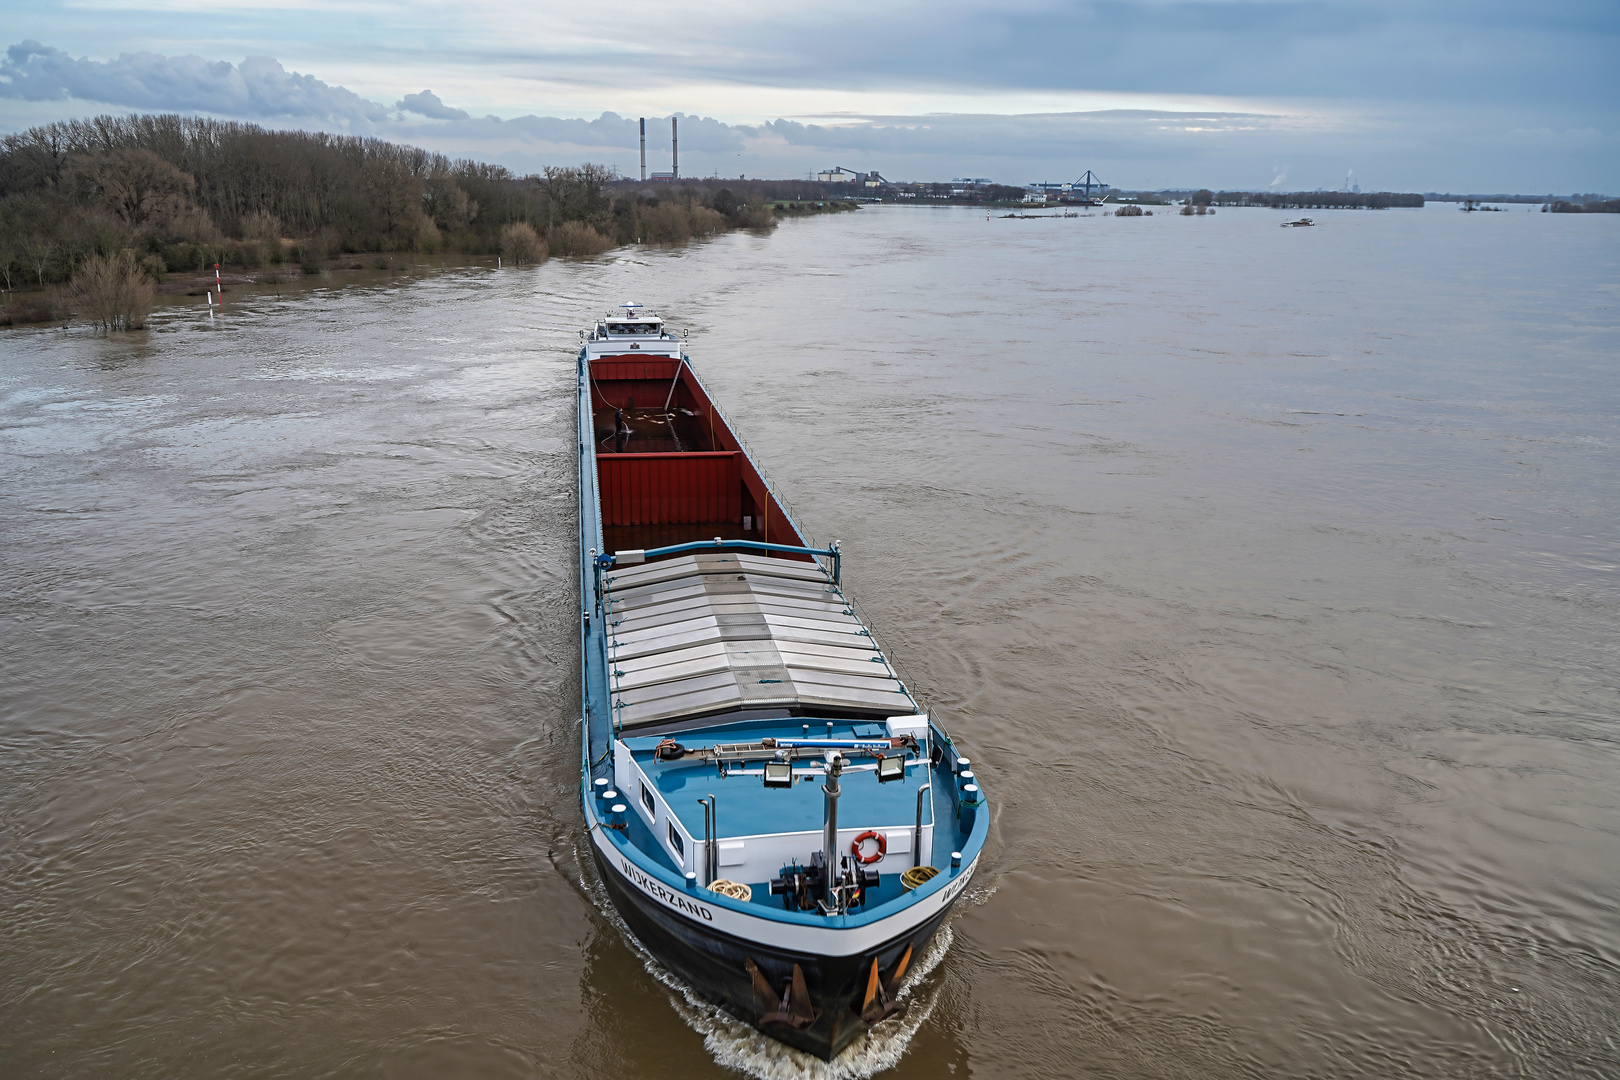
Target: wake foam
column 742, row 1047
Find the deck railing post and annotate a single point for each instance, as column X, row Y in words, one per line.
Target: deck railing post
column 916, row 838
column 708, row 832
column 714, row 844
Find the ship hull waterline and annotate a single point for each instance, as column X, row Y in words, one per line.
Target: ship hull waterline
column 714, row 964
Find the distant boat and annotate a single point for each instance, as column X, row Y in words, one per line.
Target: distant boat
column 1297, row 224
column 772, row 811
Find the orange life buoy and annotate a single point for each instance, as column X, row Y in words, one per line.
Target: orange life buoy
column 882, row 847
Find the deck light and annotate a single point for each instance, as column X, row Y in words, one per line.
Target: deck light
column 778, row 774
column 891, row 767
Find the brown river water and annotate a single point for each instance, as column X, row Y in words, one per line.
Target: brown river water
column 1271, row 577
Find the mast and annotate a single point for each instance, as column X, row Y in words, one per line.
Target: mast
column 674, row 150
column 643, row 148
column 829, row 838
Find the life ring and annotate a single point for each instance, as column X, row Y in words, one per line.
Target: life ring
column 882, row 847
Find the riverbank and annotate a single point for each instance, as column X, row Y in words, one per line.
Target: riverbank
column 43, row 306
column 807, row 207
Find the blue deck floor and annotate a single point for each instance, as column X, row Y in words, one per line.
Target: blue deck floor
column 748, row 808
column 751, row 809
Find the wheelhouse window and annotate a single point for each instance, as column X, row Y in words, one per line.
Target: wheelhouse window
column 641, row 328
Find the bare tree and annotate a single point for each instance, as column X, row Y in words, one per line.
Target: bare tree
column 133, row 183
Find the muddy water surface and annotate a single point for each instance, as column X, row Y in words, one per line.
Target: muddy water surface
column 1272, row 577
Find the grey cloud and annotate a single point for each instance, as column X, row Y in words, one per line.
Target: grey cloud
column 1477, row 51
column 1527, row 147
column 427, row 104
column 612, row 131
column 1055, row 135
column 258, row 88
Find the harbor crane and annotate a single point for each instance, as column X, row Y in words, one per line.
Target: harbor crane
column 1088, row 181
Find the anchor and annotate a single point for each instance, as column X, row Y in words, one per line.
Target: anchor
column 793, row 1008
column 880, row 1003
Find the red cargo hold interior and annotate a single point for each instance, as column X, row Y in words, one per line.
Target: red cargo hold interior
column 670, row 489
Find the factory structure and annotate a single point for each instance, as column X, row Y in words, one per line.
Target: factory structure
column 840, row 175
column 674, row 173
column 1088, row 189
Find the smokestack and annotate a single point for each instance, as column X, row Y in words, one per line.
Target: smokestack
column 674, row 151
column 643, row 148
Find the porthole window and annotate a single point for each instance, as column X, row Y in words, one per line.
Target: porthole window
column 647, row 799
column 675, row 842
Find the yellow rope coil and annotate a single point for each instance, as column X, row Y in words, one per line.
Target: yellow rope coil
column 734, row 889
column 917, row 876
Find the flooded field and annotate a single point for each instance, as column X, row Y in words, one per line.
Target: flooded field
column 1272, row 577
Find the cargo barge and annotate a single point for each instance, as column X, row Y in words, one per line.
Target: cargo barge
column 774, row 815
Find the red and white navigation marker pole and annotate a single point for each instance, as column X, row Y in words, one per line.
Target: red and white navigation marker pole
column 220, row 289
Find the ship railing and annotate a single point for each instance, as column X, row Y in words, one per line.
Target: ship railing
column 890, row 660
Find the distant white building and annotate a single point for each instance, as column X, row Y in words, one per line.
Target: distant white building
column 1047, row 189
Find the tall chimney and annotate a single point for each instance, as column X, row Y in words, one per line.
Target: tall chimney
column 674, row 151
column 643, row 148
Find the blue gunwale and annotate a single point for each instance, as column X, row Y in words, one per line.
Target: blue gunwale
column 597, row 736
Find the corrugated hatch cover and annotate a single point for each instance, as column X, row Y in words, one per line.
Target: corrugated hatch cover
column 707, row 633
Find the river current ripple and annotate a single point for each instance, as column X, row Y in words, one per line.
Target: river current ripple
column 1271, row 577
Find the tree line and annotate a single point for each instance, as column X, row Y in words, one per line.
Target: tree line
column 181, row 193
column 1596, row 206
column 1311, row 200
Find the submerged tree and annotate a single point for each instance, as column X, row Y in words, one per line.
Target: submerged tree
column 112, row 292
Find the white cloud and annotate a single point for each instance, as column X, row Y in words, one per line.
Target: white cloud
column 258, row 88
column 427, row 104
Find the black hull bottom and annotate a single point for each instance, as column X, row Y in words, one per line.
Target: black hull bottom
column 715, row 966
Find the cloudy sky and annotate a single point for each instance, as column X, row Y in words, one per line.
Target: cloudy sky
column 1287, row 94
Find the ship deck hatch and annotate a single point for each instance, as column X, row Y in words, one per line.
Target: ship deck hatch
column 702, row 634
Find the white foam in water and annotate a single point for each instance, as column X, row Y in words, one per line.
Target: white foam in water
column 740, row 1046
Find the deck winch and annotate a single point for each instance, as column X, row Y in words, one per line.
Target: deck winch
column 802, row 888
